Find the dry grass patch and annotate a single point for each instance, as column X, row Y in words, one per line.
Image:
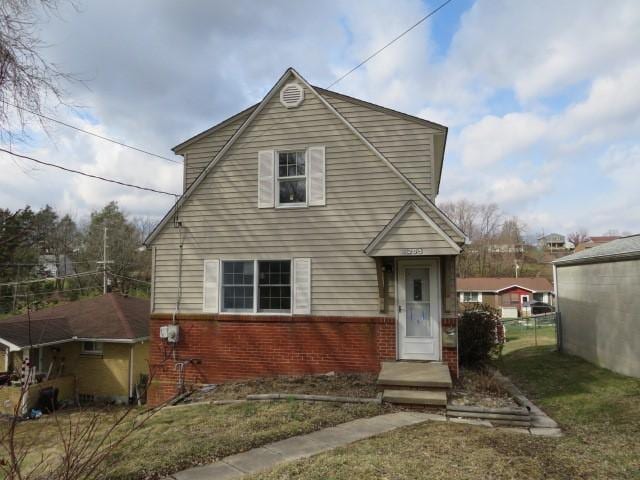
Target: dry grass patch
column 344, row 385
column 598, row 410
column 176, row 439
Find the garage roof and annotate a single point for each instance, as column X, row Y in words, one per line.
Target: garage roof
column 620, row 249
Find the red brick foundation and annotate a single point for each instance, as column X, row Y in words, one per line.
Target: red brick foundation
column 450, row 354
column 219, row 348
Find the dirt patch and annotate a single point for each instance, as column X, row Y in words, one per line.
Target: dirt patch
column 344, row 385
column 480, row 388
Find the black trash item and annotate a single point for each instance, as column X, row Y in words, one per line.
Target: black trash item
column 48, row 400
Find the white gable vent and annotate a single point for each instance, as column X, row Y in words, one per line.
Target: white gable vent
column 291, row 95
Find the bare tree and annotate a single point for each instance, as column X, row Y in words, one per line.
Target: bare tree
column 578, row 237
column 27, row 79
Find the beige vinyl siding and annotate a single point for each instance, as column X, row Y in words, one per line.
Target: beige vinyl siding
column 599, row 307
column 408, row 145
column 221, row 218
column 411, row 231
column 199, row 154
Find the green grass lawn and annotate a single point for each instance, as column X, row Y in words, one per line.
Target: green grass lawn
column 598, row 410
column 519, row 336
column 179, row 438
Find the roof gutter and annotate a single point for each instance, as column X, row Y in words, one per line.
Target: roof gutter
column 16, row 348
column 597, row 259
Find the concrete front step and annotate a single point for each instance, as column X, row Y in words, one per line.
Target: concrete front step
column 403, row 374
column 416, row 397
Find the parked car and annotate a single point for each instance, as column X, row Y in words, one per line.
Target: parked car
column 540, row 307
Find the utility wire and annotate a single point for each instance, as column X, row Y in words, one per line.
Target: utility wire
column 91, row 133
column 104, row 179
column 431, row 13
column 84, row 274
column 129, row 278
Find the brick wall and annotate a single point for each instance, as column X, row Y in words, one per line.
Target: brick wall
column 450, row 354
column 219, row 348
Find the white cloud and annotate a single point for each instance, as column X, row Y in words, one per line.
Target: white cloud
column 493, row 138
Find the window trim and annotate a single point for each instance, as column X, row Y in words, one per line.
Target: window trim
column 479, row 297
column 96, row 345
column 221, row 287
column 256, row 298
column 276, row 167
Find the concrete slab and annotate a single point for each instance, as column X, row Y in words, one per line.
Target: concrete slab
column 217, row 471
column 255, row 460
column 471, row 421
column 543, row 421
column 429, row 417
column 416, row 397
column 415, row 374
column 302, row 446
column 546, row 432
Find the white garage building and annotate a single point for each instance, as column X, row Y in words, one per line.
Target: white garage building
column 598, row 297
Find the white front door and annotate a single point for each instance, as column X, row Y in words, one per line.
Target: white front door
column 418, row 310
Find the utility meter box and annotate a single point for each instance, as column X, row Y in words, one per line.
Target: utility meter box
column 170, row 333
column 449, row 337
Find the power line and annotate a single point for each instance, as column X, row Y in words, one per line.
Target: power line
column 431, row 13
column 96, row 177
column 91, row 133
column 50, row 279
column 130, row 278
column 52, row 292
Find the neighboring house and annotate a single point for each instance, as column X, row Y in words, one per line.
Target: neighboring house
column 51, row 266
column 552, row 241
column 599, row 304
column 511, row 295
column 102, row 342
column 307, row 241
column 595, row 241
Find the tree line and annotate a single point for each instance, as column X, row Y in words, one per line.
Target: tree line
column 31, row 241
column 497, row 246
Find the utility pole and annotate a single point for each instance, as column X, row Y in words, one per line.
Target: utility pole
column 104, row 262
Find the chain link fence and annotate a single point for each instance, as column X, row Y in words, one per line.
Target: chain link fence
column 530, row 331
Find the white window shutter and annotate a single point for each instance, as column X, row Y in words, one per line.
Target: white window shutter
column 316, row 175
column 266, row 179
column 302, row 286
column 211, row 280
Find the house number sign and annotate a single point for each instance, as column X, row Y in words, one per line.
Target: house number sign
column 413, row 251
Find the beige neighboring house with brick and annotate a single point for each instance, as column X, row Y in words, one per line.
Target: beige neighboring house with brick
column 307, row 240
column 599, row 304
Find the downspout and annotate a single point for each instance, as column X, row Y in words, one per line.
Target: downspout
column 557, row 305
column 131, row 372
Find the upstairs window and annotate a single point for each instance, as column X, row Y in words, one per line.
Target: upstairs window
column 292, row 178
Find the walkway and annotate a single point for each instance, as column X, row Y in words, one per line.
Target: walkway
column 302, row 446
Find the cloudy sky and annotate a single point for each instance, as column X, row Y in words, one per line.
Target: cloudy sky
column 542, row 97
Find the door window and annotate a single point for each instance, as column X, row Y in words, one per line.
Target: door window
column 418, row 308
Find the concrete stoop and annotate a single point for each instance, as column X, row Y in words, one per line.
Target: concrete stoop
column 424, row 384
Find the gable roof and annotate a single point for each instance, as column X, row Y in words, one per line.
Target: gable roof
column 620, row 249
column 254, row 113
column 498, row 284
column 603, row 238
column 243, row 114
column 107, row 317
column 394, row 227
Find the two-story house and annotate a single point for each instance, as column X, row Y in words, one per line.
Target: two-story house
column 307, row 240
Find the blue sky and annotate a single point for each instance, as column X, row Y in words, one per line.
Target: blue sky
column 543, row 109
